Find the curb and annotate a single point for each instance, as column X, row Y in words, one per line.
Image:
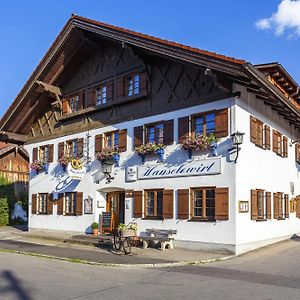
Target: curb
column 113, row 265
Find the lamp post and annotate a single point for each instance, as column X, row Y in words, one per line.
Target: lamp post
column 236, row 139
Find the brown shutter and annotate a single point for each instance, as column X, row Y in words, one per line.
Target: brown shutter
column 120, row 87
column 254, row 209
column 268, row 204
column 65, row 106
column 267, row 137
column 91, row 100
column 98, row 143
column 183, row 129
column 80, row 101
column 143, row 83
column 297, row 153
column 286, row 206
column 168, row 204
column 275, row 143
column 168, row 132
column 221, row 123
column 80, row 147
column 122, row 140
column 109, row 91
column 138, row 136
column 253, row 129
column 61, row 148
column 33, row 203
column 50, row 153
column 50, row 204
column 183, row 204
column 34, row 154
column 60, row 204
column 285, row 146
column 276, row 205
column 298, row 207
column 137, row 204
column 221, row 203
column 79, row 198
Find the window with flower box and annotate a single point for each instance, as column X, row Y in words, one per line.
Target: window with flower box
column 203, row 124
column 71, row 148
column 155, row 133
column 110, row 140
column 43, row 153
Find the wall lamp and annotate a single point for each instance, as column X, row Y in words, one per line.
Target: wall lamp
column 107, row 166
column 237, row 140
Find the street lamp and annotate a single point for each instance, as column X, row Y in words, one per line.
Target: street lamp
column 107, row 166
column 236, row 139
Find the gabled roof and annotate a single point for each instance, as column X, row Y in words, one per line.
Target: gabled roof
column 6, row 147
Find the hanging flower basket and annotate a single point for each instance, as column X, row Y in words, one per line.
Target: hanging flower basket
column 201, row 142
column 64, row 161
column 150, row 148
column 37, row 166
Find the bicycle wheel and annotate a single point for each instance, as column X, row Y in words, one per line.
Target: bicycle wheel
column 117, row 241
column 127, row 245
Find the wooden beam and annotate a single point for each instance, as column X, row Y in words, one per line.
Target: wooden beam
column 12, row 137
column 48, row 123
column 33, row 133
column 50, row 88
column 41, row 127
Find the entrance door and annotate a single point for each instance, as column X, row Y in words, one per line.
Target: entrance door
column 115, row 203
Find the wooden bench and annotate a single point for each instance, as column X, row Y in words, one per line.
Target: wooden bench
column 162, row 236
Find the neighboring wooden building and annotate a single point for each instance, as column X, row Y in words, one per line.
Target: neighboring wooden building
column 100, row 86
column 14, row 166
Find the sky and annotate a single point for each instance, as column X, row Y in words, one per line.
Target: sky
column 256, row 31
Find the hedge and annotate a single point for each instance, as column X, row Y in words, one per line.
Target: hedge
column 4, row 211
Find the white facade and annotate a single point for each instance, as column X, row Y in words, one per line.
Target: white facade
column 256, row 168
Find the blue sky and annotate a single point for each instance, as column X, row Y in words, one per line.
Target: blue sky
column 242, row 29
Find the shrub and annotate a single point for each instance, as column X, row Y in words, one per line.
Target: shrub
column 4, row 211
column 94, row 225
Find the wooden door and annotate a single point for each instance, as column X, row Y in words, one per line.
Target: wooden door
column 113, row 206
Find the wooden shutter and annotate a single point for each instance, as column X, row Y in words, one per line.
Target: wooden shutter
column 221, row 203
column 183, row 129
column 221, row 123
column 80, row 101
column 275, row 142
column 168, row 132
column 253, row 129
column 276, row 205
column 297, row 152
column 286, row 206
column 65, row 106
column 298, row 207
column 254, row 208
column 268, row 205
column 60, row 204
column 138, row 136
column 50, row 204
column 137, row 204
column 98, row 143
column 91, row 98
column 79, row 198
column 61, row 148
column 267, row 143
column 34, row 154
column 122, row 140
column 33, row 203
column 285, row 146
column 143, row 83
column 168, row 204
column 120, row 87
column 183, row 204
column 109, row 91
column 80, row 147
column 50, row 153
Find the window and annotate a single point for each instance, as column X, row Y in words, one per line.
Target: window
column 280, row 144
column 74, row 104
column 42, row 204
column 44, row 153
column 204, row 124
column 281, row 205
column 112, row 139
column 259, row 133
column 260, row 205
column 155, row 133
column 101, row 95
column 70, row 203
column 72, row 148
column 203, row 203
column 153, row 203
column 133, row 85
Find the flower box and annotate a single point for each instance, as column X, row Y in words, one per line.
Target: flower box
column 127, row 232
column 150, row 148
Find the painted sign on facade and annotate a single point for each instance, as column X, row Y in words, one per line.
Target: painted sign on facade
column 76, row 169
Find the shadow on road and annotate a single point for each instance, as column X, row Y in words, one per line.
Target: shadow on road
column 10, row 286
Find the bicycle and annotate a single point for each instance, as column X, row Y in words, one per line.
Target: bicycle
column 123, row 238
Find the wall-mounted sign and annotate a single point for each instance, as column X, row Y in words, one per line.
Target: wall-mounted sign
column 76, row 169
column 131, row 174
column 243, row 206
column 88, row 205
column 210, row 166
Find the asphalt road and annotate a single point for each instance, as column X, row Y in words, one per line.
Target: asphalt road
column 269, row 273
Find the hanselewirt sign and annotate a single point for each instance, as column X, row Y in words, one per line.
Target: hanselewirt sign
column 210, row 166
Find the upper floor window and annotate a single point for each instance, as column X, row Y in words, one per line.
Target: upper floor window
column 72, row 148
column 203, row 203
column 74, row 104
column 259, row 133
column 101, row 95
column 43, row 153
column 204, row 124
column 155, row 133
column 133, row 85
column 297, row 153
column 280, row 144
column 111, row 139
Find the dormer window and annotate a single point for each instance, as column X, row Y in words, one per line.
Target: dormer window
column 101, row 95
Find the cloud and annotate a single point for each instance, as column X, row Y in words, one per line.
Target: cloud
column 286, row 19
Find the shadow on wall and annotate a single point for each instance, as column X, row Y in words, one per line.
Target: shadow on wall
column 11, row 287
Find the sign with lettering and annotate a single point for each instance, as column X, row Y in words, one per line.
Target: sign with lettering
column 76, row 169
column 131, row 173
column 106, row 221
column 210, row 166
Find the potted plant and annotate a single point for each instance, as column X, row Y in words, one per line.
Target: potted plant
column 201, row 142
column 127, row 230
column 109, row 154
column 94, row 227
column 150, row 148
column 37, row 166
column 64, row 161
